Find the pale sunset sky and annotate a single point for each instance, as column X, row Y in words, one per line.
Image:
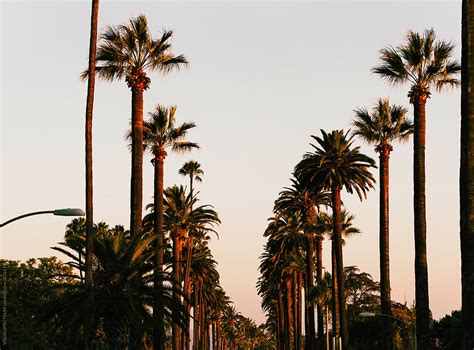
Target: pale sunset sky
column 263, row 77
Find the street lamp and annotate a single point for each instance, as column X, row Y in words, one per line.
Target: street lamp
column 59, row 212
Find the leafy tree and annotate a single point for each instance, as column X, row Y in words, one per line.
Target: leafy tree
column 424, row 63
column 447, row 332
column 31, row 285
column 383, row 125
column 335, row 165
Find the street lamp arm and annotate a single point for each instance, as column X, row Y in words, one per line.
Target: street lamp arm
column 26, row 215
column 60, row 212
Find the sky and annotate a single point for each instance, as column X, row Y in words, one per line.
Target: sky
column 263, row 77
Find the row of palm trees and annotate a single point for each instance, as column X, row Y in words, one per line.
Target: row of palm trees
column 128, row 52
column 335, row 164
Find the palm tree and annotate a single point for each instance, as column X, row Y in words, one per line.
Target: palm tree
column 385, row 124
column 325, row 227
column 123, row 291
column 466, row 175
column 424, row 64
column 194, row 171
column 321, row 294
column 89, row 179
column 335, row 165
column 180, row 218
column 128, row 51
column 302, row 199
column 159, row 135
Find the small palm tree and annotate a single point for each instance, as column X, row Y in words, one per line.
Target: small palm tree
column 128, row 52
column 160, row 134
column 194, row 171
column 424, row 63
column 333, row 166
column 385, row 124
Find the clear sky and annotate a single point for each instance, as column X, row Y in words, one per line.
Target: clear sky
column 263, row 77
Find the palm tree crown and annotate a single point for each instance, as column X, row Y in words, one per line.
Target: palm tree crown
column 384, row 124
column 129, row 50
column 422, row 62
column 160, row 132
column 192, row 169
column 334, row 163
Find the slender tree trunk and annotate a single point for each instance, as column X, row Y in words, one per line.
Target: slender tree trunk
column 89, row 293
column 334, row 301
column 327, row 326
column 196, row 316
column 300, row 287
column 310, row 335
column 158, row 311
column 177, row 286
column 466, row 182
column 286, row 305
column 202, row 330
column 136, row 195
column 337, row 240
column 386, row 305
column 319, row 275
column 282, row 322
column 295, row 311
column 419, row 201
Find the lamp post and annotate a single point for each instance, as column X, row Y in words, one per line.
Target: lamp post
column 59, row 212
column 373, row 314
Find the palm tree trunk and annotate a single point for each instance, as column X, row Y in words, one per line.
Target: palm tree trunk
column 466, row 182
column 287, row 309
column 196, row 316
column 310, row 335
column 136, row 185
column 176, row 288
column 337, row 240
column 385, row 300
column 327, row 326
column 319, row 275
column 89, row 296
column 421, row 265
column 294, row 295
column 158, row 312
column 281, row 316
column 335, row 303
column 300, row 287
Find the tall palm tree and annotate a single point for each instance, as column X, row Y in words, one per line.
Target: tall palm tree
column 88, row 305
column 160, row 134
column 380, row 127
column 300, row 198
column 128, row 51
column 194, row 171
column 424, row 64
column 333, row 166
column 466, row 182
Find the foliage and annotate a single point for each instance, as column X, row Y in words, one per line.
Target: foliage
column 31, row 285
